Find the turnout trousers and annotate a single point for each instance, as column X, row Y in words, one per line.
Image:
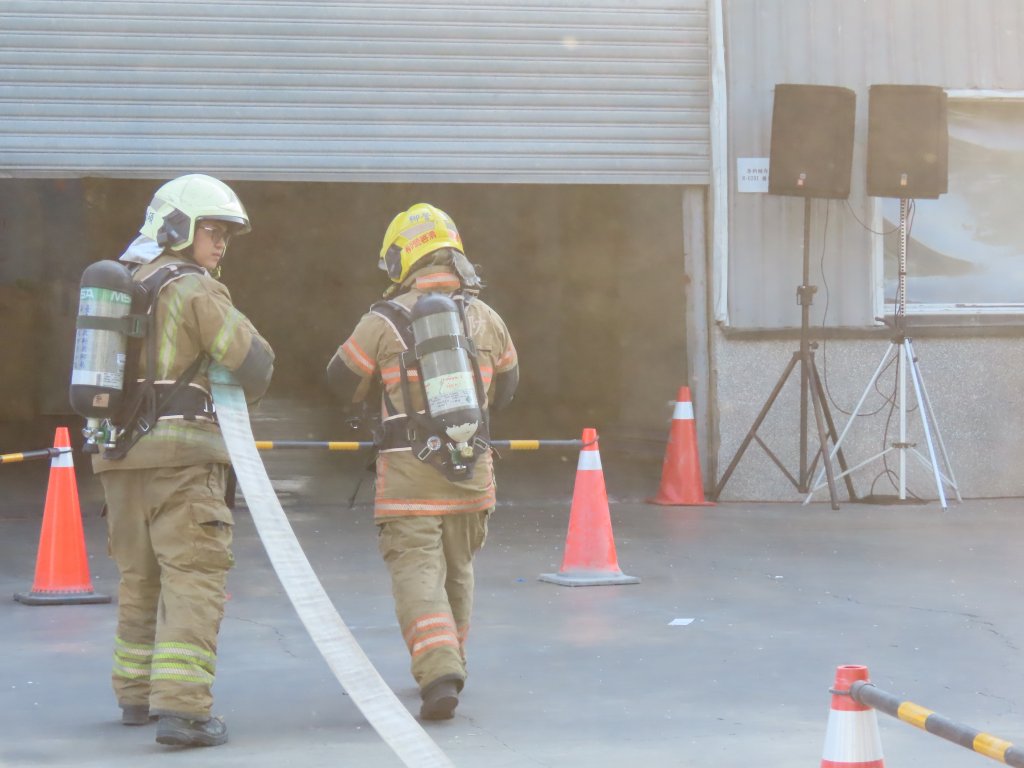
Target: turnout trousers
column 430, row 559
column 170, row 535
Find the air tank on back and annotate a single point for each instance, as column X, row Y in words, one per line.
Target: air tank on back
column 446, row 368
column 101, row 341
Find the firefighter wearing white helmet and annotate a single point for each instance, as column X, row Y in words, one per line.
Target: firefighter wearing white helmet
column 180, row 204
column 164, row 468
column 439, row 359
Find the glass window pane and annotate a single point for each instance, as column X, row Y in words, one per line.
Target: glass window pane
column 967, row 248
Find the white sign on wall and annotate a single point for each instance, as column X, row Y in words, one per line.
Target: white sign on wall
column 752, row 174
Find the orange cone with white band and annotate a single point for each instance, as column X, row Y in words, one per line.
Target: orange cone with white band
column 681, row 483
column 590, row 558
column 852, row 739
column 62, row 565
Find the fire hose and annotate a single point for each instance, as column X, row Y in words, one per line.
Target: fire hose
column 350, row 665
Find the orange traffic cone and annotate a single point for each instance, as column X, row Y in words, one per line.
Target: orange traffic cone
column 681, row 483
column 852, row 739
column 62, row 566
column 590, row 558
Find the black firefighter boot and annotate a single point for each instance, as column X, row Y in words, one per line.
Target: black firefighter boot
column 441, row 697
column 182, row 732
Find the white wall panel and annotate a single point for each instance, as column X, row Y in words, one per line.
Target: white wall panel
column 955, row 44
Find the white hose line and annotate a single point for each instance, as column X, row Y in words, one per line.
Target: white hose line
column 347, row 661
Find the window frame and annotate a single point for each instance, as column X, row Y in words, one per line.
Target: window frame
column 948, row 310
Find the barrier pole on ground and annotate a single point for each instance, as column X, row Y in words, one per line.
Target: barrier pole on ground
column 986, row 744
column 337, row 445
column 42, row 453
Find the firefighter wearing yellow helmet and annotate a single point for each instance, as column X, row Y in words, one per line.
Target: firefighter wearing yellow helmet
column 414, row 234
column 439, row 359
column 164, row 464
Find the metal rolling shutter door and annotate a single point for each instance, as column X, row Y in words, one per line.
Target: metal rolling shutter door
column 530, row 91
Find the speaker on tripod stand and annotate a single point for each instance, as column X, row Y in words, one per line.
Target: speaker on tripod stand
column 812, row 141
column 908, row 151
column 908, row 142
column 811, row 156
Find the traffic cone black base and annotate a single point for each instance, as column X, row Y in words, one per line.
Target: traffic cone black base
column 41, row 598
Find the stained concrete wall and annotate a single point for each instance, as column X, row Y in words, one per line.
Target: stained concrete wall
column 973, row 385
column 590, row 280
column 971, row 364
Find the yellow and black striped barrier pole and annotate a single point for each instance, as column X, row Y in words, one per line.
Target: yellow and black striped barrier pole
column 535, row 445
column 42, row 453
column 329, row 445
column 983, row 743
column 337, row 445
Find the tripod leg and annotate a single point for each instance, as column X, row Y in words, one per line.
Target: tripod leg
column 938, row 434
column 856, row 412
column 837, row 450
column 901, row 384
column 757, row 423
column 819, row 418
column 915, row 377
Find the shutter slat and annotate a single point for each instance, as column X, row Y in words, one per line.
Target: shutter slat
column 500, row 91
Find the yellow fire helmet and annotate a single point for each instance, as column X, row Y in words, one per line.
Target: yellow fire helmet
column 413, row 234
column 176, row 207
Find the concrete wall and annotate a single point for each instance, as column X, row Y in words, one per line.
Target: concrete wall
column 590, row 279
column 973, row 385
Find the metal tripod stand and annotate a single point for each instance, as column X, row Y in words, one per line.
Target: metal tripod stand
column 810, row 382
column 901, row 350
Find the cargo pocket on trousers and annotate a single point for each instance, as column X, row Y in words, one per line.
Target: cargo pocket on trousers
column 481, row 533
column 213, row 528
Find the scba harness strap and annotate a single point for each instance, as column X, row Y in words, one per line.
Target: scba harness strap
column 148, row 400
column 414, row 430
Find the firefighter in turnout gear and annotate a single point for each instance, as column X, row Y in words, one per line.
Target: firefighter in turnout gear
column 440, row 359
column 164, row 467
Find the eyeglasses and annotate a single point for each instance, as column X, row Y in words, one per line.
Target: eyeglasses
column 217, row 234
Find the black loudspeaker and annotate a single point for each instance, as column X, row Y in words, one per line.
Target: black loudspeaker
column 812, row 141
column 908, row 141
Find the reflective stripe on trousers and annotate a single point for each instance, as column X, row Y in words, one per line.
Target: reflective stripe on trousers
column 170, row 534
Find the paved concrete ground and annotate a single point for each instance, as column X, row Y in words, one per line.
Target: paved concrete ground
column 596, row 677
